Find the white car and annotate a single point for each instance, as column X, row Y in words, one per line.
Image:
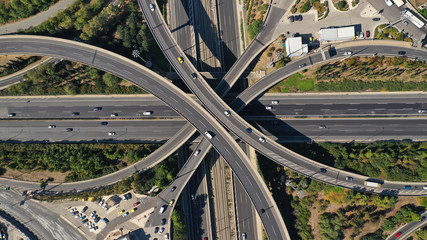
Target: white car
column 147, row 113
column 52, row 126
column 261, row 139
column 268, row 107
column 388, row 2
column 162, row 230
column 275, row 102
column 114, row 115
column 361, row 35
column 425, row 187
column 197, row 153
column 111, row 133
column 422, row 111
column 227, row 113
column 152, row 8
column 348, row 53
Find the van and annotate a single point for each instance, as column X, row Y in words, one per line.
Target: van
column 162, row 209
column 208, row 135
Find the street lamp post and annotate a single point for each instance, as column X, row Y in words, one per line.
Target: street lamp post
column 136, row 53
column 300, row 193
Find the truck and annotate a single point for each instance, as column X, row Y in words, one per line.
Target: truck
column 372, row 184
column 416, row 21
column 398, row 2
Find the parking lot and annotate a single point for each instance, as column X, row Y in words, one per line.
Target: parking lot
column 90, row 217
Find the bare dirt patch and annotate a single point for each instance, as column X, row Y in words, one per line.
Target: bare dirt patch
column 5, row 59
column 34, row 176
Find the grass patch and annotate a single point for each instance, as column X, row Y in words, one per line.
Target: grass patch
column 422, row 201
column 294, row 83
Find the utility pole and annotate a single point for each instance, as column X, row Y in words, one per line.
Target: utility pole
column 136, row 53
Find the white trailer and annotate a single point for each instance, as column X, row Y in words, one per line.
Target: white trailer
column 398, row 2
column 416, row 21
column 372, row 184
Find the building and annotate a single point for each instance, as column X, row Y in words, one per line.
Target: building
column 336, row 34
column 294, row 47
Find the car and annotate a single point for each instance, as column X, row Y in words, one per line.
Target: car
column 180, row 60
column 249, row 130
column 401, row 52
column 193, row 197
column 361, row 35
column 268, row 107
column 163, row 222
column 84, row 209
column 136, row 204
column 111, row 133
column 243, row 236
column 114, row 115
column 156, row 230
column 323, row 170
column 408, row 187
column 104, row 123
column 152, row 8
column 85, row 220
column 348, row 178
column 69, row 129
column 205, row 238
column 398, row 234
column 100, row 203
column 422, row 111
column 75, row 114
column 275, row 102
column 162, row 230
column 261, row 139
column 171, row 202
column 133, row 210
column 368, row 33
column 425, row 187
column 227, row 113
column 295, row 35
column 298, row 18
column 52, row 126
column 106, row 220
column 310, row 39
column 167, row 236
column 73, row 213
column 302, row 65
column 292, row 18
column 376, row 19
column 11, row 114
column 125, row 214
column 97, row 109
column 147, row 113
column 208, row 135
column 83, row 217
column 197, row 152
column 173, row 188
column 121, row 212
column 97, row 219
column 78, row 215
column 405, row 23
column 322, row 126
column 128, row 195
column 194, row 75
column 87, row 224
column 93, row 213
column 262, row 210
column 348, row 53
column 388, row 2
column 125, row 197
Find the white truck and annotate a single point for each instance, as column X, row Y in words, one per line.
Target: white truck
column 398, row 2
column 372, row 184
column 416, row 21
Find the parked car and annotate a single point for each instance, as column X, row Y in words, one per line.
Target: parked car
column 84, row 209
column 298, row 17
column 163, row 221
column 136, row 204
column 361, row 35
column 292, row 18
column 388, row 2
column 368, row 33
column 376, row 19
column 156, row 230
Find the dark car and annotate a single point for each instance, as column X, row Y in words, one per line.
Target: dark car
column 368, row 33
column 173, row 188
column 299, row 18
column 194, row 75
column 323, row 170
column 402, row 52
column 75, row 114
column 302, row 65
column 156, row 230
column 292, row 18
column 163, row 221
column 376, row 19
column 69, row 129
column 249, row 130
column 84, row 209
column 408, row 187
column 11, row 114
column 295, row 35
column 104, row 123
column 97, row 108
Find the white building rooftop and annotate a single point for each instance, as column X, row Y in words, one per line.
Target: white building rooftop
column 294, row 47
column 336, row 34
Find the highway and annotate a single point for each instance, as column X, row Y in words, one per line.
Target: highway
column 289, row 105
column 408, row 229
column 271, row 217
column 229, row 32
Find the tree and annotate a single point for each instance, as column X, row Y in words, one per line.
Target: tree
column 70, row 89
column 254, row 28
column 389, row 224
column 110, row 80
column 305, row 7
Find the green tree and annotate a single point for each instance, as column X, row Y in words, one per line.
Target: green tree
column 254, row 28
column 110, row 80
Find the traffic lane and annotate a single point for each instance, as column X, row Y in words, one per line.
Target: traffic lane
column 148, row 130
column 408, row 229
column 245, row 213
column 46, row 223
column 270, row 215
column 229, row 32
column 332, row 109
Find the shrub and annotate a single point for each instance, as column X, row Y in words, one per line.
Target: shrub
column 305, row 7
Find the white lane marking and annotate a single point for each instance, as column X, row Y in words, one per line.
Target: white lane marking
column 354, row 103
column 352, row 109
column 379, row 109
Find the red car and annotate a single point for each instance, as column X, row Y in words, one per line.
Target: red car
column 398, row 234
column 368, row 34
column 136, row 204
